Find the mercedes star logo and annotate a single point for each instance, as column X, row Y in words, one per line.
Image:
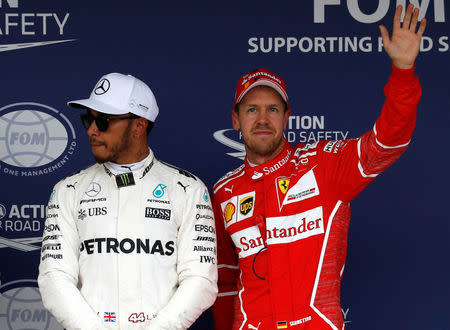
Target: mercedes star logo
column 102, row 87
column 93, row 190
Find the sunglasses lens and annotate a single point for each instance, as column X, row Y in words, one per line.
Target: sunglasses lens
column 86, row 120
column 102, row 123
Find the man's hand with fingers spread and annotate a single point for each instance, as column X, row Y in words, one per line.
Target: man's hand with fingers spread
column 404, row 45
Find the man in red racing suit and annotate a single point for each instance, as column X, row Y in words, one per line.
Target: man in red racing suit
column 282, row 223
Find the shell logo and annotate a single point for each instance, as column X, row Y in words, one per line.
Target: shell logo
column 229, row 211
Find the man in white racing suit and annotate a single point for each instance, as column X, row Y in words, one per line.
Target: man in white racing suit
column 128, row 243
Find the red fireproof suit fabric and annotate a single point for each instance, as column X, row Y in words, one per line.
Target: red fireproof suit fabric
column 282, row 226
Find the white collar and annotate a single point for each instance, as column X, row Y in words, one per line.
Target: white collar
column 124, row 168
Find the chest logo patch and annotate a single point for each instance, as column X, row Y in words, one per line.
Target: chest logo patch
column 282, row 186
column 229, row 211
column 305, row 188
column 246, row 205
column 158, row 192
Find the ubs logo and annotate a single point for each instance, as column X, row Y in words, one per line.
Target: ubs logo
column 246, row 205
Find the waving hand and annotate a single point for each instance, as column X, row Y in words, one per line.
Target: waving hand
column 404, row 45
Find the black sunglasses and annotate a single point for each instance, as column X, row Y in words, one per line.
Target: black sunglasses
column 101, row 121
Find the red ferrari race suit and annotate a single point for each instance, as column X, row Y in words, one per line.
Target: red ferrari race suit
column 282, row 226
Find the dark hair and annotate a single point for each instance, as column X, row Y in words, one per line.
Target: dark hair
column 150, row 125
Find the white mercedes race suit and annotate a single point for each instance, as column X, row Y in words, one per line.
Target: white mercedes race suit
column 118, row 255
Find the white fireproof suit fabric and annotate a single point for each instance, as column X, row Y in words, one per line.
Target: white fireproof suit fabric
column 137, row 257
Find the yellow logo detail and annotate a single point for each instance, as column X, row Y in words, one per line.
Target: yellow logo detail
column 229, row 211
column 283, row 185
column 246, row 205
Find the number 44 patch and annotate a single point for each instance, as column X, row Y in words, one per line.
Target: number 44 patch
column 135, row 317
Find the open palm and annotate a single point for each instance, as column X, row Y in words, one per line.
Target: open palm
column 404, row 45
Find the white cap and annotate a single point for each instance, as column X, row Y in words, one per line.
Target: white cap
column 118, row 94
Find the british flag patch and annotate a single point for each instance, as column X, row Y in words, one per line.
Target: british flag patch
column 109, row 317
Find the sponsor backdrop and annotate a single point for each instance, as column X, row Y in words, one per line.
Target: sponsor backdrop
column 192, row 54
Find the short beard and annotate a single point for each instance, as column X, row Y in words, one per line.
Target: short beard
column 264, row 150
column 118, row 149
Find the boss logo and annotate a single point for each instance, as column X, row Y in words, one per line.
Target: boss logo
column 153, row 212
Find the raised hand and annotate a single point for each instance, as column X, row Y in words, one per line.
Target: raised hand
column 404, row 45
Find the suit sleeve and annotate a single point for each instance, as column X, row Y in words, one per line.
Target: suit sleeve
column 353, row 164
column 228, row 270
column 196, row 265
column 58, row 269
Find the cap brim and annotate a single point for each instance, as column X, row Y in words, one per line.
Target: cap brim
column 263, row 82
column 95, row 105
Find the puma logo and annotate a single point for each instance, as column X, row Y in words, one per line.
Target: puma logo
column 253, row 327
column 184, row 187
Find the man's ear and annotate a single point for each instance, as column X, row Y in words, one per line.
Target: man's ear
column 140, row 127
column 235, row 120
column 287, row 114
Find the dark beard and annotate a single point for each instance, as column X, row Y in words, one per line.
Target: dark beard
column 117, row 150
column 266, row 149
